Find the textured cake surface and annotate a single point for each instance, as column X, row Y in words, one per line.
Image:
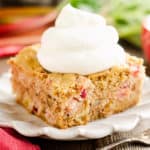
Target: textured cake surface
column 65, row 100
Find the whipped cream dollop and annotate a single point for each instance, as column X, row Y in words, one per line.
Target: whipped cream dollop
column 80, row 42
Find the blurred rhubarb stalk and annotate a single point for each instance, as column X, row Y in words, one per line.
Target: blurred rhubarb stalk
column 25, row 38
column 23, row 29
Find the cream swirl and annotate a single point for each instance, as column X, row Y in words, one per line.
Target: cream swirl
column 81, row 43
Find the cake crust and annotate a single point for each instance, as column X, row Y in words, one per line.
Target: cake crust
column 66, row 100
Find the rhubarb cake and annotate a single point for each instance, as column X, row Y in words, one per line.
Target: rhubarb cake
column 78, row 73
column 65, row 100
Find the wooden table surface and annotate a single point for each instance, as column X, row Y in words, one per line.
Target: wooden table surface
column 89, row 144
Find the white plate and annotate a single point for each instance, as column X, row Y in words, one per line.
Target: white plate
column 13, row 115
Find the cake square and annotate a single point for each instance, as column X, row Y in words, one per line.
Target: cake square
column 65, row 99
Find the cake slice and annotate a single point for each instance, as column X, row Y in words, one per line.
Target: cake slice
column 66, row 100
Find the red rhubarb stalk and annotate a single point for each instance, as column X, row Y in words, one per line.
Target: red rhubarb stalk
column 28, row 24
column 24, row 40
column 10, row 50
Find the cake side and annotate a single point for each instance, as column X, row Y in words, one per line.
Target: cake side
column 59, row 99
column 65, row 100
